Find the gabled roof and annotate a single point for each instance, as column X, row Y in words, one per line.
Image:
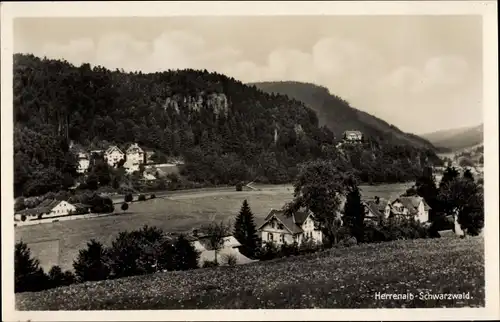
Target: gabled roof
column 290, row 223
column 373, row 208
column 411, row 203
column 112, row 149
column 135, row 148
column 49, row 203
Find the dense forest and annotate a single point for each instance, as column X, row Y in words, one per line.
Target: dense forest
column 225, row 131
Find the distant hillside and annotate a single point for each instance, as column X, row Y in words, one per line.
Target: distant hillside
column 457, row 139
column 339, row 116
column 225, row 131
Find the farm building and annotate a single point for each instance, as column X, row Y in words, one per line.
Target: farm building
column 135, row 157
column 52, row 208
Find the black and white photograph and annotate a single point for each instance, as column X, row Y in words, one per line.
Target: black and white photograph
column 179, row 159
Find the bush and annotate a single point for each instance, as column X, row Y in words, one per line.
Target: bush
column 92, row 263
column 152, row 196
column 141, row 197
column 239, row 186
column 124, row 206
column 129, row 197
column 230, row 259
column 269, row 251
column 40, row 216
column 289, row 249
column 23, row 217
column 28, row 275
column 207, row 264
column 58, row 278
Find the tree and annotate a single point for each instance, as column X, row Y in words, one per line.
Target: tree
column 354, row 214
column 449, row 174
column 320, row 187
column 29, row 276
column 92, row 263
column 185, row 257
column 245, row 231
column 128, row 197
column 464, row 199
column 215, row 234
column 124, row 206
column 468, row 175
column 59, row 278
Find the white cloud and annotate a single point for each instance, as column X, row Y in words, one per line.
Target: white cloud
column 349, row 69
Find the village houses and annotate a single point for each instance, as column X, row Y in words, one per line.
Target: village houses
column 409, row 207
column 135, row 157
column 113, row 155
column 83, row 162
column 280, row 229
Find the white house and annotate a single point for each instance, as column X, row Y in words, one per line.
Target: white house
column 135, row 157
column 413, row 206
column 113, row 155
column 353, row 136
column 281, row 229
column 52, row 208
column 83, row 162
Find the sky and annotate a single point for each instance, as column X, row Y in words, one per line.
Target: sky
column 420, row 73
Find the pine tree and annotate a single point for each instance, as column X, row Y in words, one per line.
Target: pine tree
column 91, row 263
column 354, row 214
column 186, row 256
column 245, row 231
column 29, row 276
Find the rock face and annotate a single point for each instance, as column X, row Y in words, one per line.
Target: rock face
column 218, row 103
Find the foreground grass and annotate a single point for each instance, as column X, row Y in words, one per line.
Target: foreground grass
column 338, row 278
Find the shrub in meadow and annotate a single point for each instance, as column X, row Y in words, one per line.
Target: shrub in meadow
column 28, row 275
column 128, row 197
column 239, row 186
column 152, row 196
column 269, row 251
column 290, row 249
column 230, row 259
column 141, row 197
column 92, row 263
column 207, row 264
column 124, row 206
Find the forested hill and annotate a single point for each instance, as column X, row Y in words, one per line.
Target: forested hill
column 224, row 130
column 339, row 116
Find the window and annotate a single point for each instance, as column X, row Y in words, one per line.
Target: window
column 282, row 238
column 273, row 224
column 280, row 226
column 270, row 236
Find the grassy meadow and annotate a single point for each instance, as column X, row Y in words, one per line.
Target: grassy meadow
column 337, row 278
column 173, row 212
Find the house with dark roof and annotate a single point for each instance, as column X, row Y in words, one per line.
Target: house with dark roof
column 376, row 209
column 410, row 207
column 280, row 229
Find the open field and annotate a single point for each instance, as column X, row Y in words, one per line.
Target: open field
column 173, row 212
column 337, row 278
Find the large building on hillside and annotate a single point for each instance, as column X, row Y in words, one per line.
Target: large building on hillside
column 352, row 136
